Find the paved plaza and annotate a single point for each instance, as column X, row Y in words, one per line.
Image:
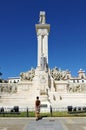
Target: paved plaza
column 69, row 123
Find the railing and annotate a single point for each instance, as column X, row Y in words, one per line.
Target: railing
column 30, row 112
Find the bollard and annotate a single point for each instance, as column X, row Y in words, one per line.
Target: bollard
column 27, row 112
column 50, row 110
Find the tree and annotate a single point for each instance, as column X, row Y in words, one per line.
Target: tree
column 0, row 74
column 0, row 80
column 0, row 77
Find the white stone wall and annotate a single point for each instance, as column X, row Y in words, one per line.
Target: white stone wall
column 13, row 80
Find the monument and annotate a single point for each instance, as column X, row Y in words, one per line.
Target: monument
column 55, row 87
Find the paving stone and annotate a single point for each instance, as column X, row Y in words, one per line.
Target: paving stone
column 44, row 124
column 70, row 123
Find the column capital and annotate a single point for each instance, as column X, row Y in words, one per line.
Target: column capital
column 42, row 27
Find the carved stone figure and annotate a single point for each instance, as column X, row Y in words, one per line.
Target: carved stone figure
column 43, row 63
column 27, row 75
column 74, row 87
column 8, row 87
column 42, row 17
column 58, row 74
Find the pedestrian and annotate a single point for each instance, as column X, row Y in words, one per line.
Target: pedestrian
column 37, row 108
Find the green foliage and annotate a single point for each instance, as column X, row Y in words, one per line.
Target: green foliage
column 0, row 80
column 0, row 77
column 54, row 114
column 0, row 74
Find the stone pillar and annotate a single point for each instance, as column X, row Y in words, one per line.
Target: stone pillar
column 46, row 47
column 42, row 30
column 39, row 49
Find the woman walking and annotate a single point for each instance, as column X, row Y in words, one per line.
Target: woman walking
column 37, row 108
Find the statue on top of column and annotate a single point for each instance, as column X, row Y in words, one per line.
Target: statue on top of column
column 42, row 19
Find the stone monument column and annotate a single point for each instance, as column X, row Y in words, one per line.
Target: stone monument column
column 42, row 30
column 46, row 46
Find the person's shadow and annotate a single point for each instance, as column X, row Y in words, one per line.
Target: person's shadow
column 41, row 117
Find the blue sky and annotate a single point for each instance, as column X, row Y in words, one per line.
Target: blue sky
column 18, row 41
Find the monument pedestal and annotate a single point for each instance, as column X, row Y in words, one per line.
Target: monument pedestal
column 40, row 82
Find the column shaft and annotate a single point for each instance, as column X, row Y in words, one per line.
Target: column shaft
column 39, row 49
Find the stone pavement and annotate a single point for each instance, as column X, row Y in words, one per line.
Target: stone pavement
column 45, row 124
column 64, row 123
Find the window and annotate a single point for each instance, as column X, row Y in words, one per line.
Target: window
column 82, row 81
column 82, row 77
column 74, row 81
column 77, row 81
